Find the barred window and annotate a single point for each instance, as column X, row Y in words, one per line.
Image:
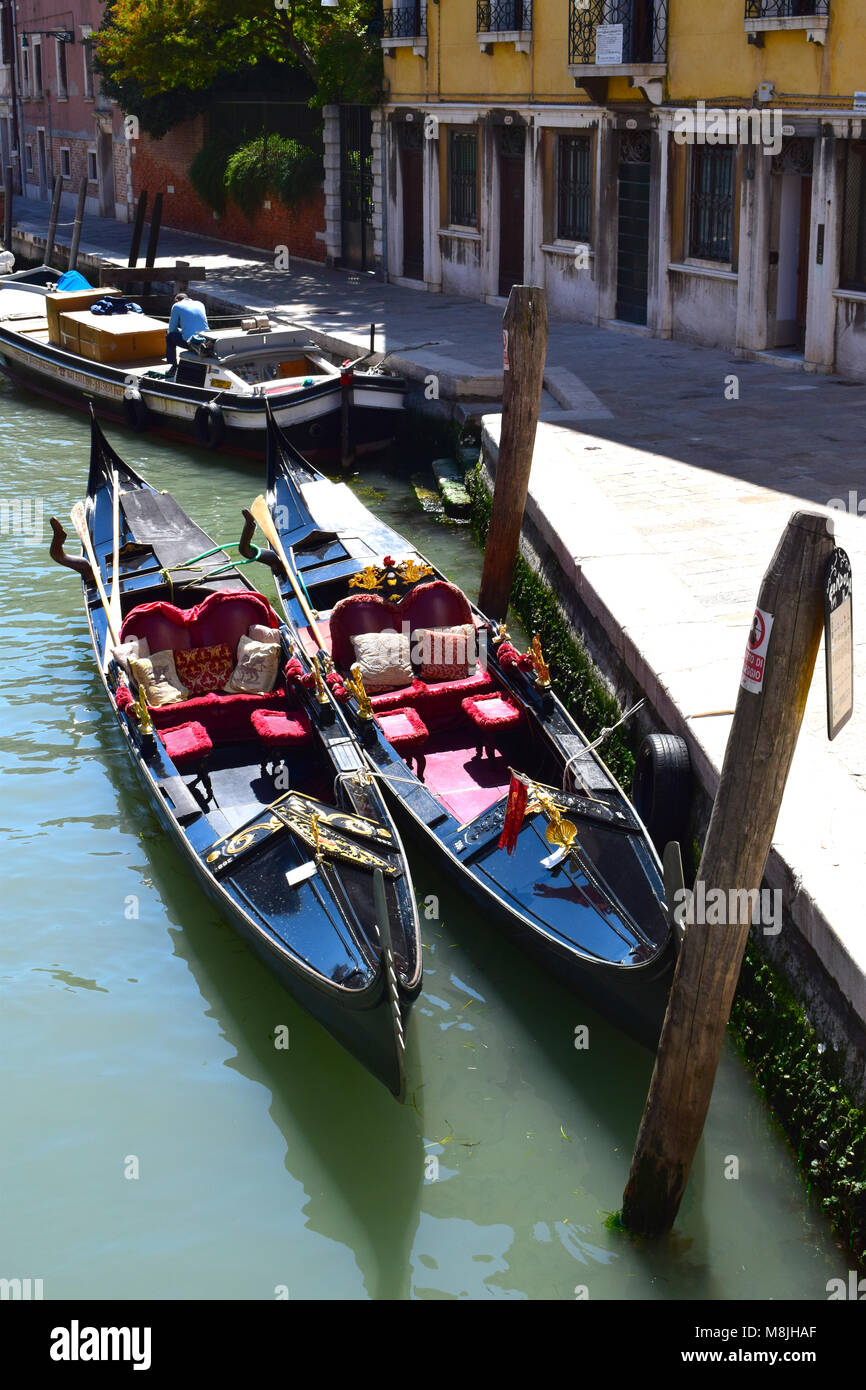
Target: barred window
column 853, row 276
column 712, row 203
column 574, row 188
column 463, row 178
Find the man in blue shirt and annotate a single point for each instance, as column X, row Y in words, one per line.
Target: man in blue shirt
column 188, row 317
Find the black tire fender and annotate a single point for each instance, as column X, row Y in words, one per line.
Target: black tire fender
column 210, row 425
column 661, row 789
column 136, row 411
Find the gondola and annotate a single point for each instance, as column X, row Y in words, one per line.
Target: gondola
column 222, row 388
column 482, row 760
column 263, row 791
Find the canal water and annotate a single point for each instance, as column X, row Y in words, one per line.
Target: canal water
column 156, row 1144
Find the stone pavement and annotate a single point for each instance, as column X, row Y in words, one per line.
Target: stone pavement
column 662, row 497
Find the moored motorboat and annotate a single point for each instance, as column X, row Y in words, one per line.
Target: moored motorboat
column 474, row 747
column 248, row 762
column 223, row 386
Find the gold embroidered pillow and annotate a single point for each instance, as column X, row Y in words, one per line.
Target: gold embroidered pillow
column 384, row 659
column 157, row 675
column 204, row 669
column 256, row 671
column 444, row 653
column 259, row 633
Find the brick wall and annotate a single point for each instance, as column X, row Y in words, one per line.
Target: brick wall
column 160, row 165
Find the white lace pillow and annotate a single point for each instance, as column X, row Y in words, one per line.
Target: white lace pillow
column 131, row 650
column 259, row 633
column 384, row 659
column 256, row 671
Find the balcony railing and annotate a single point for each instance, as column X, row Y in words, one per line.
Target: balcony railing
column 786, row 9
column 503, row 16
column 644, row 32
column 407, row 21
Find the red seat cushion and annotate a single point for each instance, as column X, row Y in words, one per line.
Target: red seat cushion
column 403, row 728
column 186, row 742
column 226, row 717
column 385, row 700
column 437, row 604
column 356, row 614
column 276, row 727
column 204, row 669
column 491, row 711
column 224, row 616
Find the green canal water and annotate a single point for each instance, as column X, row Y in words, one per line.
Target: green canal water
column 137, row 1033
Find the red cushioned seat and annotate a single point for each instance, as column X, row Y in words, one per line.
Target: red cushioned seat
column 491, row 715
column 186, row 742
column 437, row 604
column 276, row 727
column 406, row 732
column 354, row 615
column 226, row 717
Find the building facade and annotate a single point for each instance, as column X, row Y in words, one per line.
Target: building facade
column 54, row 119
column 690, row 170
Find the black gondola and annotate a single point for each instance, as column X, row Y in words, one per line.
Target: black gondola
column 445, row 750
column 265, row 795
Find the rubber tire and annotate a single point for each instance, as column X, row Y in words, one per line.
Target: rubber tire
column 210, row 426
column 661, row 789
column 136, row 412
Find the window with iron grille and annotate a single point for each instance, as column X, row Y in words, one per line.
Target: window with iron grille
column 573, row 188
column 712, row 203
column 786, row 9
column 503, row 16
column 65, row 165
column 853, row 268
column 463, row 178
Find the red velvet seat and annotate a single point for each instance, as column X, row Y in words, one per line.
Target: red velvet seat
column 492, row 715
column 354, row 615
column 437, row 604
column 279, row 731
column 406, row 732
column 188, row 745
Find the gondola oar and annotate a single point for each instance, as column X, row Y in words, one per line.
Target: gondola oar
column 79, row 521
column 115, row 613
column 263, row 518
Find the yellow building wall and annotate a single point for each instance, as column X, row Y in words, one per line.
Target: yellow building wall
column 709, row 57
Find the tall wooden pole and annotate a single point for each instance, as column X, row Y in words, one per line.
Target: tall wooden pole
column 758, row 757
column 7, row 208
column 525, row 349
column 77, row 224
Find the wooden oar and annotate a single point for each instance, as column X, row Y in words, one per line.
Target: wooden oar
column 263, row 518
column 114, row 602
column 79, row 521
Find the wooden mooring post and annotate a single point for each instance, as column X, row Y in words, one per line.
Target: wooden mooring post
column 780, row 659
column 525, row 349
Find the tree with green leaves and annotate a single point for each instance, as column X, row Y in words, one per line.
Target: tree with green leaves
column 161, row 59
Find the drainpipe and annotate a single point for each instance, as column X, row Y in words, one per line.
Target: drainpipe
column 382, row 138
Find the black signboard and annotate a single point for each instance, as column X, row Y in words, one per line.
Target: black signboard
column 838, row 642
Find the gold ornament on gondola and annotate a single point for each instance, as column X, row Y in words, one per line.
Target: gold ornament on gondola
column 356, row 687
column 560, row 831
column 145, row 723
column 541, row 667
column 321, row 692
column 407, row 572
column 501, row 634
column 369, row 578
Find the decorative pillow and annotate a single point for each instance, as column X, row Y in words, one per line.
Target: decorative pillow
column 157, row 674
column 132, row 648
column 256, row 671
column 204, row 669
column 384, row 659
column 445, row 653
column 259, row 633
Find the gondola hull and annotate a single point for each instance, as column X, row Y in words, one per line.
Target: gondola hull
column 595, row 915
column 292, row 870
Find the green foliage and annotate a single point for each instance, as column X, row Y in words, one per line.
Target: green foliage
column 802, row 1081
column 271, row 164
column 574, row 675
column 207, row 173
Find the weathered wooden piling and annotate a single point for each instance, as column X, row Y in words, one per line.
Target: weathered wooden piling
column 780, row 658
column 525, row 350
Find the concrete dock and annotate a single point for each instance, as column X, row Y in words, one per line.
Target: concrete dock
column 663, row 477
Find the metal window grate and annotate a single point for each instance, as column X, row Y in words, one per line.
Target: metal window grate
column 574, row 188
column 462, row 178
column 405, row 21
column 786, row 9
column 503, row 16
column 853, row 267
column 644, row 29
column 712, row 203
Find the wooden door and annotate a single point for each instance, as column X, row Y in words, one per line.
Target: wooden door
column 511, row 200
column 803, row 255
column 632, row 264
column 412, row 170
